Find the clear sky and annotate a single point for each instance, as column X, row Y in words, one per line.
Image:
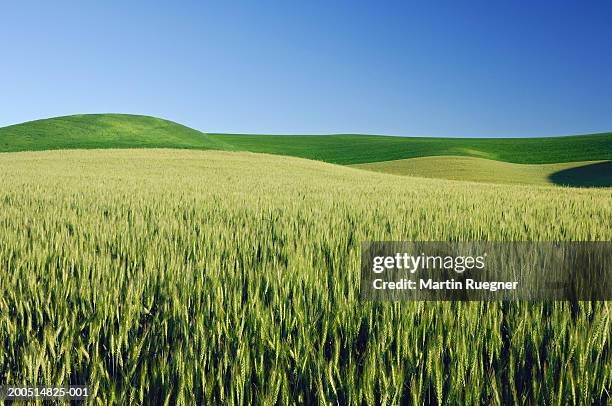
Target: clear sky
column 490, row 68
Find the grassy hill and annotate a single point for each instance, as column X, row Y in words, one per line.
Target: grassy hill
column 560, row 160
column 103, row 131
column 586, row 173
column 129, row 131
column 348, row 149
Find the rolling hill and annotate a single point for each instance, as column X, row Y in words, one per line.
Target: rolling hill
column 130, row 131
column 489, row 159
column 346, row 149
column 89, row 131
column 585, row 173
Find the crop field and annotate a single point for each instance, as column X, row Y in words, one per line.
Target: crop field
column 585, row 173
column 186, row 277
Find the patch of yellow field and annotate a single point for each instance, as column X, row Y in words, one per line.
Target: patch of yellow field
column 473, row 169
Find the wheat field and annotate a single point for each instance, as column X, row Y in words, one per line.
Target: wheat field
column 183, row 277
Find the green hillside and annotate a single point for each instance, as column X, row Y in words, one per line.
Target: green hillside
column 585, row 173
column 102, row 131
column 353, row 149
column 129, row 131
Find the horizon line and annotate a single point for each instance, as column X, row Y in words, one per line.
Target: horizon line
column 313, row 134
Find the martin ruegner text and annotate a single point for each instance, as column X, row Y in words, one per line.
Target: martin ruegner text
column 449, row 284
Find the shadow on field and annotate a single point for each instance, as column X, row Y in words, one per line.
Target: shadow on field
column 598, row 175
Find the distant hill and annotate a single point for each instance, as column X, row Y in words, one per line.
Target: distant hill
column 583, row 173
column 130, row 131
column 102, row 131
column 349, row 149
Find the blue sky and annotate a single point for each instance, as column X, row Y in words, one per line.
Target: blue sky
column 500, row 68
